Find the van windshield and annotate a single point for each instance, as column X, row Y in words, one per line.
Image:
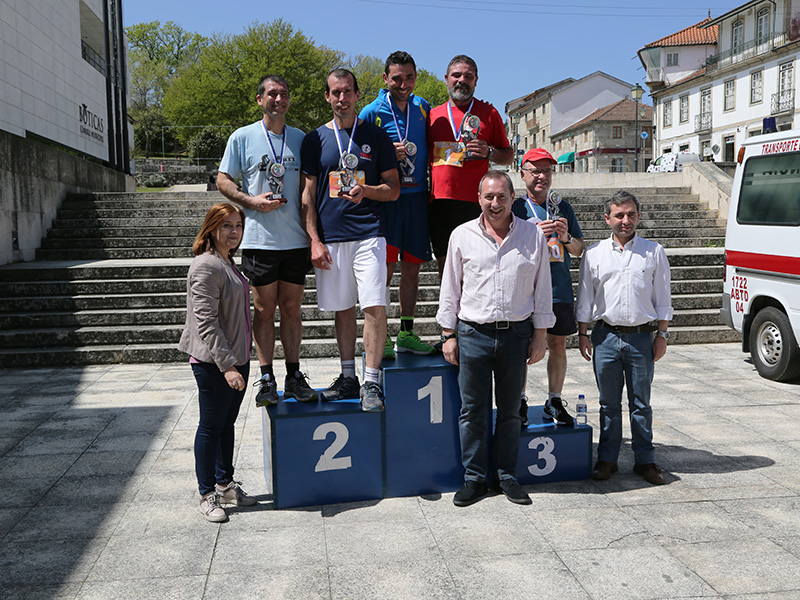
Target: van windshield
column 770, row 190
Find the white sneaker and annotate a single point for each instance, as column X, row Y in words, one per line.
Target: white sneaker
column 234, row 494
column 212, row 511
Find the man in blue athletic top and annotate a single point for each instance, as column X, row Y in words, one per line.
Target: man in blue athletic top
column 349, row 170
column 403, row 116
column 275, row 257
column 557, row 221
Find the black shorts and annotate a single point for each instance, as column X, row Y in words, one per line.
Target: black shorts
column 444, row 215
column 565, row 319
column 263, row 267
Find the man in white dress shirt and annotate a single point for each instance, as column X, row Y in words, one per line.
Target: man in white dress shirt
column 624, row 288
column 496, row 294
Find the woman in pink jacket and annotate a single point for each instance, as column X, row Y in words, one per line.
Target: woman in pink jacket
column 217, row 339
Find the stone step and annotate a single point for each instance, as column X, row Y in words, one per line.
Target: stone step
column 167, row 352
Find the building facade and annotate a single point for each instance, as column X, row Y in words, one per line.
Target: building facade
column 746, row 77
column 540, row 118
column 609, row 140
column 63, row 115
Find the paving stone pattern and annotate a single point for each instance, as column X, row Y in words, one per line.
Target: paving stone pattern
column 101, row 501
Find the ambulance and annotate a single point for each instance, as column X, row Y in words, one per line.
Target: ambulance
column 761, row 296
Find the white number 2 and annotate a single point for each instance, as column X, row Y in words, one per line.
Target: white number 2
column 546, row 454
column 329, row 461
column 434, row 390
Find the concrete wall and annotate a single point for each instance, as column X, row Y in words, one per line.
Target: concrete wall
column 706, row 180
column 34, row 180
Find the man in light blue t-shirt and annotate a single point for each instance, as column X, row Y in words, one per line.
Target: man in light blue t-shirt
column 275, row 254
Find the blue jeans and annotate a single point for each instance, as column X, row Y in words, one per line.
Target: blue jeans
column 624, row 358
column 483, row 352
column 213, row 443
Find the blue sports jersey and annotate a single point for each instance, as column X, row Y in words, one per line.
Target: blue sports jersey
column 559, row 271
column 340, row 220
column 379, row 112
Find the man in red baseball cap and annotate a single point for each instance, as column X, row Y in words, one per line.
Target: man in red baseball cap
column 564, row 239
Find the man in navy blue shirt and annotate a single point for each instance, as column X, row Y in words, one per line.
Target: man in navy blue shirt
column 349, row 168
column 564, row 238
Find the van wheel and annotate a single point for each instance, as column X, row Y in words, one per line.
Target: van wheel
column 773, row 346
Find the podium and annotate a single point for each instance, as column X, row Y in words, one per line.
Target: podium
column 330, row 452
column 322, row 452
column 423, row 453
column 549, row 452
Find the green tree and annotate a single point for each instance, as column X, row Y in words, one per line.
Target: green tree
column 157, row 53
column 221, row 86
column 430, row 87
column 208, row 143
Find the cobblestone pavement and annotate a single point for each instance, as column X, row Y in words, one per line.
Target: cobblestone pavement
column 101, row 501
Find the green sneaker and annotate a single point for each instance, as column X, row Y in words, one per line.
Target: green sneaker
column 408, row 341
column 388, row 349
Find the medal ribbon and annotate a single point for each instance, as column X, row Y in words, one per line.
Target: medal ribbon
column 394, row 118
column 269, row 139
column 339, row 141
column 531, row 204
column 457, row 133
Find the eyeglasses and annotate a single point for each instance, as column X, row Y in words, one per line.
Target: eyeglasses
column 535, row 171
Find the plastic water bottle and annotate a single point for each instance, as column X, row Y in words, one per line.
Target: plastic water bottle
column 580, row 408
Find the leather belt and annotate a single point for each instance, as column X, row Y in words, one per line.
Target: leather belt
column 495, row 324
column 645, row 328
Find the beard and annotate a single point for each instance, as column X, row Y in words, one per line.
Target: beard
column 461, row 93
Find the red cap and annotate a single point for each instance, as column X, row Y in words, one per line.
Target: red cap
column 538, row 154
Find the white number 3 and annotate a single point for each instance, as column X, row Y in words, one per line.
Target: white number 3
column 329, row 461
column 546, row 454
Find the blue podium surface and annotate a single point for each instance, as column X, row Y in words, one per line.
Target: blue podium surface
column 549, row 452
column 421, row 426
column 323, row 452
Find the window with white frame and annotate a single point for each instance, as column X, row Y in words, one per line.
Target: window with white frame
column 756, row 87
column 730, row 94
column 737, row 37
column 683, row 105
column 668, row 113
column 762, row 26
column 672, row 59
column 786, row 77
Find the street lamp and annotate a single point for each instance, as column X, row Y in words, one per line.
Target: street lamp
column 636, row 94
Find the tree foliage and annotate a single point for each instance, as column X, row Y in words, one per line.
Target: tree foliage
column 208, row 143
column 181, row 80
column 220, row 88
column 157, row 53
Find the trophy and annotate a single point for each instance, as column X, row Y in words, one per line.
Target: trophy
column 553, row 200
column 275, row 180
column 347, row 179
column 407, row 167
column 470, row 126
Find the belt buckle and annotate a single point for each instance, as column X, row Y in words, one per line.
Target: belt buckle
column 501, row 325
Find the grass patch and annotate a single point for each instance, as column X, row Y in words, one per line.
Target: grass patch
column 152, row 189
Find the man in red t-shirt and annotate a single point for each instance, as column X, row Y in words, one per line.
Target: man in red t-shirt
column 457, row 164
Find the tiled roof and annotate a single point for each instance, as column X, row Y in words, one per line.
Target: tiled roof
column 622, row 110
column 691, row 36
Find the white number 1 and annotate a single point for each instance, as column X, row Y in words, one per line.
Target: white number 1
column 434, row 390
column 329, row 461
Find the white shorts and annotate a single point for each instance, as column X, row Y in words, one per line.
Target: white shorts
column 358, row 274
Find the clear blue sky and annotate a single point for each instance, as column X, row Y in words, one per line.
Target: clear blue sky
column 519, row 46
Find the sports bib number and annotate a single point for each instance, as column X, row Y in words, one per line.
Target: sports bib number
column 448, row 153
column 556, row 248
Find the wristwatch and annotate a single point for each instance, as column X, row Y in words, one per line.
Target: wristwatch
column 663, row 334
column 490, row 155
column 449, row 336
column 569, row 241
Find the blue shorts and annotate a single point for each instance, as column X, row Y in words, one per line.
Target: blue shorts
column 405, row 222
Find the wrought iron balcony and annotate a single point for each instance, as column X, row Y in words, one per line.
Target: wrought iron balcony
column 745, row 51
column 782, row 102
column 702, row 122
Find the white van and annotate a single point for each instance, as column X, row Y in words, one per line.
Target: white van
column 762, row 254
column 671, row 162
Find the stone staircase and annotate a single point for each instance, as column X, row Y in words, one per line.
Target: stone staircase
column 108, row 285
